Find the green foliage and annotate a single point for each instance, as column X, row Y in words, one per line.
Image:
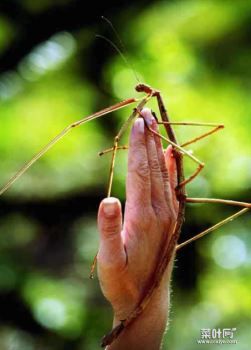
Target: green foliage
column 57, row 305
column 198, row 55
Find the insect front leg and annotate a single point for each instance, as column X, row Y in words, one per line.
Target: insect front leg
column 60, row 135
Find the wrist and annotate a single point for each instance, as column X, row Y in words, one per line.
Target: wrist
column 146, row 331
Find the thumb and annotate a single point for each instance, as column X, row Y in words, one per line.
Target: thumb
column 111, row 249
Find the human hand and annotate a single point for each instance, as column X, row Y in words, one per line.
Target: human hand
column 129, row 253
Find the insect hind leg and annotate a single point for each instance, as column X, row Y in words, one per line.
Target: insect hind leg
column 212, row 228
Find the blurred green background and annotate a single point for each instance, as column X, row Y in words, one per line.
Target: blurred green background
column 54, row 71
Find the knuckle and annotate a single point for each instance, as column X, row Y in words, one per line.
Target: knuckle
column 111, row 229
column 165, row 175
column 161, row 212
column 139, row 145
column 108, row 265
column 142, row 168
column 165, row 214
column 150, row 137
column 158, row 207
column 168, row 195
column 169, row 218
column 154, row 165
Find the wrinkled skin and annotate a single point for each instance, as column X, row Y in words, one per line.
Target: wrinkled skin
column 129, row 251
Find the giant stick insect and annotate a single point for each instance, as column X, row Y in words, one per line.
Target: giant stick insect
column 171, row 245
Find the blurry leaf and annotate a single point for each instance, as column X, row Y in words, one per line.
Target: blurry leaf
column 57, row 305
column 16, row 231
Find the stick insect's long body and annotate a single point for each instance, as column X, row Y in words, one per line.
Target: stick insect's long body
column 169, row 243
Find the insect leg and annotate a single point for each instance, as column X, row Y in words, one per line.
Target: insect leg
column 220, row 201
column 216, row 127
column 182, row 150
column 191, row 177
column 60, row 136
column 108, row 150
column 114, row 152
column 122, row 130
column 201, row 166
column 247, row 206
column 210, row 229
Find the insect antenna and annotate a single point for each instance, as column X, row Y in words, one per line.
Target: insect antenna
column 122, row 51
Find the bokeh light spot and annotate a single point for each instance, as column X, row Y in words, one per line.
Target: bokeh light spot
column 229, row 251
column 50, row 312
column 47, row 56
column 12, row 339
column 206, row 314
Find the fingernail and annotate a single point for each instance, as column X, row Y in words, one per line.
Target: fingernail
column 139, row 125
column 110, row 206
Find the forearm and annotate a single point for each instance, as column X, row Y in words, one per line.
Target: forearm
column 146, row 332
